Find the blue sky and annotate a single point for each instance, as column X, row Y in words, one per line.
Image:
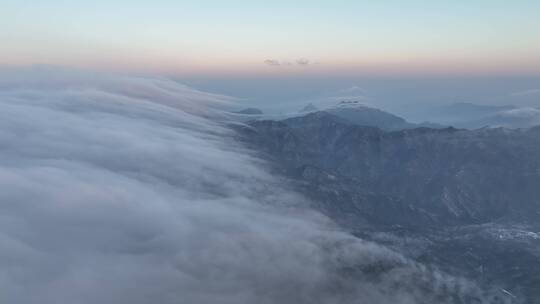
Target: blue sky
column 236, row 37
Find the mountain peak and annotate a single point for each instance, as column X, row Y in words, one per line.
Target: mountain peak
column 250, row 111
column 308, row 108
column 351, row 104
column 359, row 113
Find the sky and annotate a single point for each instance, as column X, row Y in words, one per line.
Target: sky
column 143, row 196
column 280, row 55
column 280, row 37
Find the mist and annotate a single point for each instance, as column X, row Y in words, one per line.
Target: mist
column 406, row 96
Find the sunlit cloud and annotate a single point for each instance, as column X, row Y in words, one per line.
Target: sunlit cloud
column 303, row 61
column 272, row 62
column 297, row 62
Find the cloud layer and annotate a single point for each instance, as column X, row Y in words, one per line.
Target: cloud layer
column 117, row 189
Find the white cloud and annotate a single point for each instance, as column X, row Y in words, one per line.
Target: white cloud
column 272, row 62
column 297, row 62
column 303, row 61
column 118, row 189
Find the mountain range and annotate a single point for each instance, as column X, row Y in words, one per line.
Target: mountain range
column 458, row 115
column 466, row 201
column 473, row 116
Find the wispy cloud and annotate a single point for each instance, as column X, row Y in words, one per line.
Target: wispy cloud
column 303, row 61
column 297, row 62
column 272, row 62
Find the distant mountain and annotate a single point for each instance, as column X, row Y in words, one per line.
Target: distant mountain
column 360, row 114
column 473, row 116
column 357, row 113
column 512, row 118
column 308, row 108
column 250, row 111
column 464, row 111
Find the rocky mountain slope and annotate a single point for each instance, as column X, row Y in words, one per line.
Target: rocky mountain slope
column 438, row 194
